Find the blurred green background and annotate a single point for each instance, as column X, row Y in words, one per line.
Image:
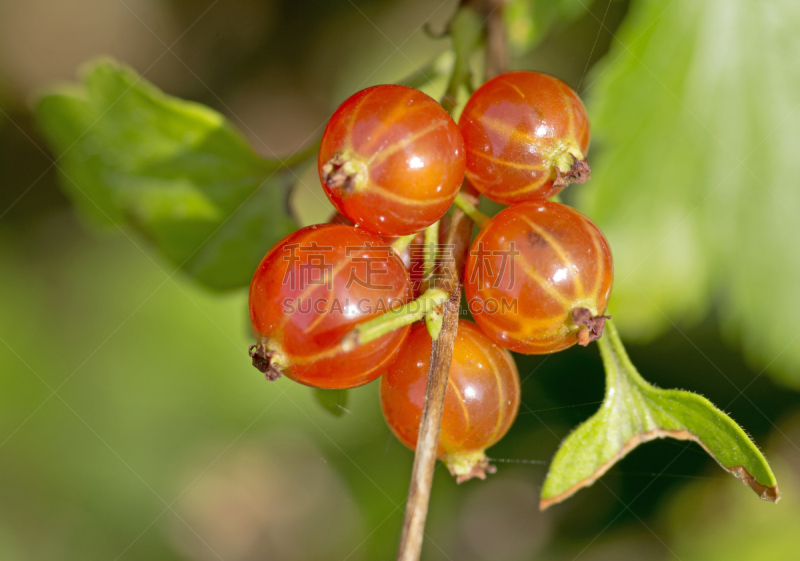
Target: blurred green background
column 132, row 425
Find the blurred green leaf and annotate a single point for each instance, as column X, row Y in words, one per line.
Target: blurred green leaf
column 436, row 68
column 527, row 21
column 466, row 29
column 697, row 529
column 333, row 401
column 177, row 171
column 634, row 412
column 696, row 121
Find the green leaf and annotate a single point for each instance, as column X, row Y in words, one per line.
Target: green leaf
column 634, row 412
column 466, row 29
column 527, row 21
column 333, row 401
column 174, row 170
column 696, row 121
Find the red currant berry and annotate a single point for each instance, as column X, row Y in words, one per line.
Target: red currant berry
column 412, row 256
column 538, row 277
column 481, row 402
column 391, row 160
column 311, row 289
column 526, row 136
column 339, row 218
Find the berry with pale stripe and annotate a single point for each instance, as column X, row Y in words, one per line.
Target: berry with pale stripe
column 526, row 136
column 311, row 289
column 481, row 400
column 391, row 160
column 538, row 278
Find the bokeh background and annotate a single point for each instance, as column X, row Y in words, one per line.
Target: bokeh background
column 132, row 425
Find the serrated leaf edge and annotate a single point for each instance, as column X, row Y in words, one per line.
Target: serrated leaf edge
column 765, row 492
column 616, row 357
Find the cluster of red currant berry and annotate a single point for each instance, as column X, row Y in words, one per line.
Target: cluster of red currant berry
column 537, row 279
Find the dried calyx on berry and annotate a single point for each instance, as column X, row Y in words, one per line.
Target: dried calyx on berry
column 344, row 172
column 570, row 168
column 266, row 361
column 591, row 326
column 469, row 465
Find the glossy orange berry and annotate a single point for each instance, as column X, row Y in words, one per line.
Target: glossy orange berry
column 538, row 278
column 412, row 256
column 391, row 160
column 312, row 288
column 339, row 218
column 481, row 403
column 526, row 136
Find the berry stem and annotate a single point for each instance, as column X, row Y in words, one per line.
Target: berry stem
column 471, row 210
column 397, row 317
column 429, row 255
column 433, row 321
column 401, row 244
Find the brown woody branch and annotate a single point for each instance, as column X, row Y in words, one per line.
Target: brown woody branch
column 458, row 237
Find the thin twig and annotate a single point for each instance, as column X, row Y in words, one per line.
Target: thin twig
column 457, row 241
column 419, row 493
column 467, row 206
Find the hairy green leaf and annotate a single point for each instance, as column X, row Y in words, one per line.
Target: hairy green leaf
column 333, row 401
column 696, row 124
column 175, row 170
column 634, row 412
